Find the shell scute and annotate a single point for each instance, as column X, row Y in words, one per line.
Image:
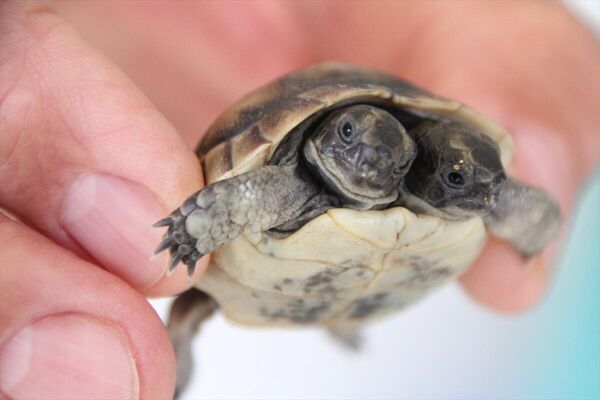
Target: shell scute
column 380, row 228
column 320, row 240
column 258, row 122
column 247, row 305
column 294, row 277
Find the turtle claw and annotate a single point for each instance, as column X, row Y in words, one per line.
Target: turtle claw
column 168, row 221
column 181, row 245
column 190, row 269
column 216, row 215
column 165, row 244
column 174, row 261
column 191, row 263
column 189, row 260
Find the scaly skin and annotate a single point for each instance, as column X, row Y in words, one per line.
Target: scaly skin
column 188, row 312
column 525, row 216
column 368, row 153
column 255, row 201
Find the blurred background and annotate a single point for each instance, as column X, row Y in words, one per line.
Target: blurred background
column 446, row 347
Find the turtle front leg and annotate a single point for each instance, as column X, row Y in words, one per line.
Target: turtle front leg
column 311, row 209
column 525, row 216
column 255, row 201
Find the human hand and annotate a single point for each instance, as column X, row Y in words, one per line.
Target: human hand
column 529, row 65
column 70, row 119
column 88, row 164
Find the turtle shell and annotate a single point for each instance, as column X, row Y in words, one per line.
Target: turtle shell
column 344, row 267
column 246, row 135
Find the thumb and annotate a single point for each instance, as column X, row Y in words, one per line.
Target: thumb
column 86, row 158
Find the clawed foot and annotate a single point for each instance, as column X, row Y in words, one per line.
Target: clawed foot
column 181, row 245
column 254, row 201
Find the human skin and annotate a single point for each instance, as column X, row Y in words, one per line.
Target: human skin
column 97, row 122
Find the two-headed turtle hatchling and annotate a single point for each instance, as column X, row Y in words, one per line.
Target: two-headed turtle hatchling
column 336, row 195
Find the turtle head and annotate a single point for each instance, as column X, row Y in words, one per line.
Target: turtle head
column 361, row 153
column 458, row 170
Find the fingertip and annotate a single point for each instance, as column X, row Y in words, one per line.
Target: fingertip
column 37, row 361
column 101, row 337
column 504, row 281
column 108, row 165
column 111, row 218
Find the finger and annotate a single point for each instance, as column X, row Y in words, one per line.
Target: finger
column 71, row 331
column 537, row 97
column 85, row 157
column 501, row 278
column 553, row 130
column 218, row 58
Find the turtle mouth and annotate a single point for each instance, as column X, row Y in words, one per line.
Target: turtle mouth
column 469, row 208
column 326, row 168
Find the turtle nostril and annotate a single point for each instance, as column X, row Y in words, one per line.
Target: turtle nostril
column 368, row 157
column 499, row 179
column 383, row 152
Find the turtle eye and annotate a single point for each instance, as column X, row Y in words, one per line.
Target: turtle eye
column 456, row 179
column 346, row 130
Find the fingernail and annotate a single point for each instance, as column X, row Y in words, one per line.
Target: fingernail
column 68, row 357
column 112, row 219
